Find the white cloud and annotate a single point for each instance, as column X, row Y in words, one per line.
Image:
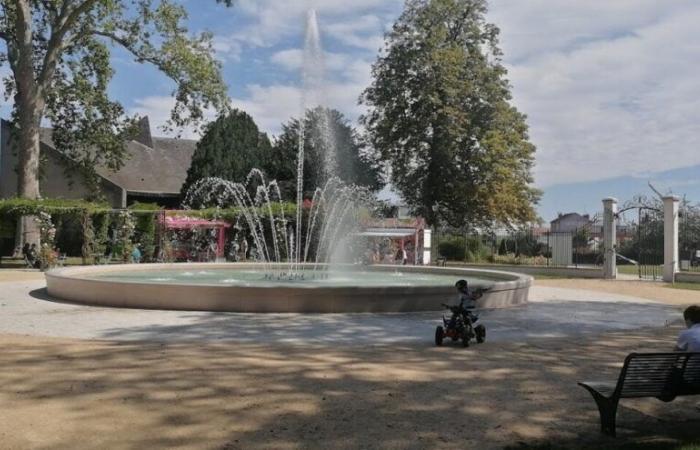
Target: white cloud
column 364, row 32
column 355, row 23
column 158, row 108
column 610, row 88
column 291, row 60
column 270, row 106
column 227, row 48
column 273, row 105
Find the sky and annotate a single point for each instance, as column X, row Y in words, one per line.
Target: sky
column 611, row 88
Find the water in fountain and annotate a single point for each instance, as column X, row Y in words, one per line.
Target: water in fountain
column 329, row 218
column 313, row 95
column 332, row 205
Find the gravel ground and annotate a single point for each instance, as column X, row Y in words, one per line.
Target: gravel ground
column 79, row 377
column 552, row 312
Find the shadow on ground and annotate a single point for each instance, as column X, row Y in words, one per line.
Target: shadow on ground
column 537, row 320
column 77, row 394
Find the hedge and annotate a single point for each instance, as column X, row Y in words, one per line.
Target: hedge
column 84, row 227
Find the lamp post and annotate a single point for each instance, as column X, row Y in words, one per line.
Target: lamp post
column 436, row 224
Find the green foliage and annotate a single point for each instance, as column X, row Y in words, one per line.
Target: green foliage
column 440, row 115
column 101, row 223
column 59, row 53
column 69, row 233
column 124, row 228
column 468, row 249
column 581, row 238
column 231, row 215
column 47, row 254
column 26, row 207
column 7, row 226
column 142, row 207
column 231, row 146
column 354, row 161
column 87, row 249
column 522, row 243
column 145, row 231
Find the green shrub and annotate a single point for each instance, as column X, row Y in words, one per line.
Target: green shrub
column 452, row 248
column 145, row 231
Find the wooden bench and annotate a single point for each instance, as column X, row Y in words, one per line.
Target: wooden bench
column 664, row 376
column 441, row 261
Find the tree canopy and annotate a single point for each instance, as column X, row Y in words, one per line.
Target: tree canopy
column 331, row 147
column 58, row 52
column 230, row 147
column 439, row 114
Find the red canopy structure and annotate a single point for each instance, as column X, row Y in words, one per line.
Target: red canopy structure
column 192, row 223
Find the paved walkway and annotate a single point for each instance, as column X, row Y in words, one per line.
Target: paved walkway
column 553, row 312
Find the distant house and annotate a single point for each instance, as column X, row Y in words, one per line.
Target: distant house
column 567, row 223
column 153, row 172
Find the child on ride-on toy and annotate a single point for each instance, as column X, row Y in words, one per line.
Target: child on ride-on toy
column 461, row 324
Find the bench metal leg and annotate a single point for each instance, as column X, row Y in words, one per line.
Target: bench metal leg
column 608, row 412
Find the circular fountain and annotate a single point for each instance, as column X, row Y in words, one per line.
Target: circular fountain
column 298, row 270
column 243, row 287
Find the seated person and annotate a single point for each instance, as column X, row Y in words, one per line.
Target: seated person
column 136, row 255
column 33, row 257
column 689, row 340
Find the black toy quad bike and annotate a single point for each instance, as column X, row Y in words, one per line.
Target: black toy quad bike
column 460, row 326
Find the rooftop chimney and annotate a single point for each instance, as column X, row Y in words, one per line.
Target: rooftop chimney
column 143, row 134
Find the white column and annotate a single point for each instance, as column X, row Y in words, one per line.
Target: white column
column 670, row 237
column 427, row 243
column 609, row 238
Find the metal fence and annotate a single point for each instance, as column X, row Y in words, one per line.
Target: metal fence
column 689, row 240
column 580, row 247
column 640, row 242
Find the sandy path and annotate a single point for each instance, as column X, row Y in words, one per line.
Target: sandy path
column 59, row 393
column 644, row 289
column 20, row 275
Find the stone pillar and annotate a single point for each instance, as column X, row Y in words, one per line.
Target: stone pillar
column 427, row 245
column 670, row 237
column 123, row 199
column 609, row 238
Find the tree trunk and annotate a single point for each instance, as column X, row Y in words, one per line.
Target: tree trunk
column 29, row 101
column 29, row 121
column 28, row 148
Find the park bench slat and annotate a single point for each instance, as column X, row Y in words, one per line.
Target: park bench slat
column 660, row 375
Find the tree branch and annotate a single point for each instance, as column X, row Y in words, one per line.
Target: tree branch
column 51, row 8
column 139, row 55
column 63, row 23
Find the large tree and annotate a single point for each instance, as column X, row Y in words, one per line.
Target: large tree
column 332, row 147
column 440, row 115
column 230, row 147
column 58, row 53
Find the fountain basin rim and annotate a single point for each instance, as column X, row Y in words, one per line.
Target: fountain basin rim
column 73, row 284
column 503, row 280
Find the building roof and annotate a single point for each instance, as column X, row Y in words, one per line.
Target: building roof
column 160, row 169
column 570, row 215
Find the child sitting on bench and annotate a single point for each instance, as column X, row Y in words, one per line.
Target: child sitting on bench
column 689, row 340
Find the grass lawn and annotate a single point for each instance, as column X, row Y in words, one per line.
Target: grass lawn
column 691, row 286
column 630, row 269
column 653, row 445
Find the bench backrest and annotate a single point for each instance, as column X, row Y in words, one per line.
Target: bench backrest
column 660, row 375
column 691, row 376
